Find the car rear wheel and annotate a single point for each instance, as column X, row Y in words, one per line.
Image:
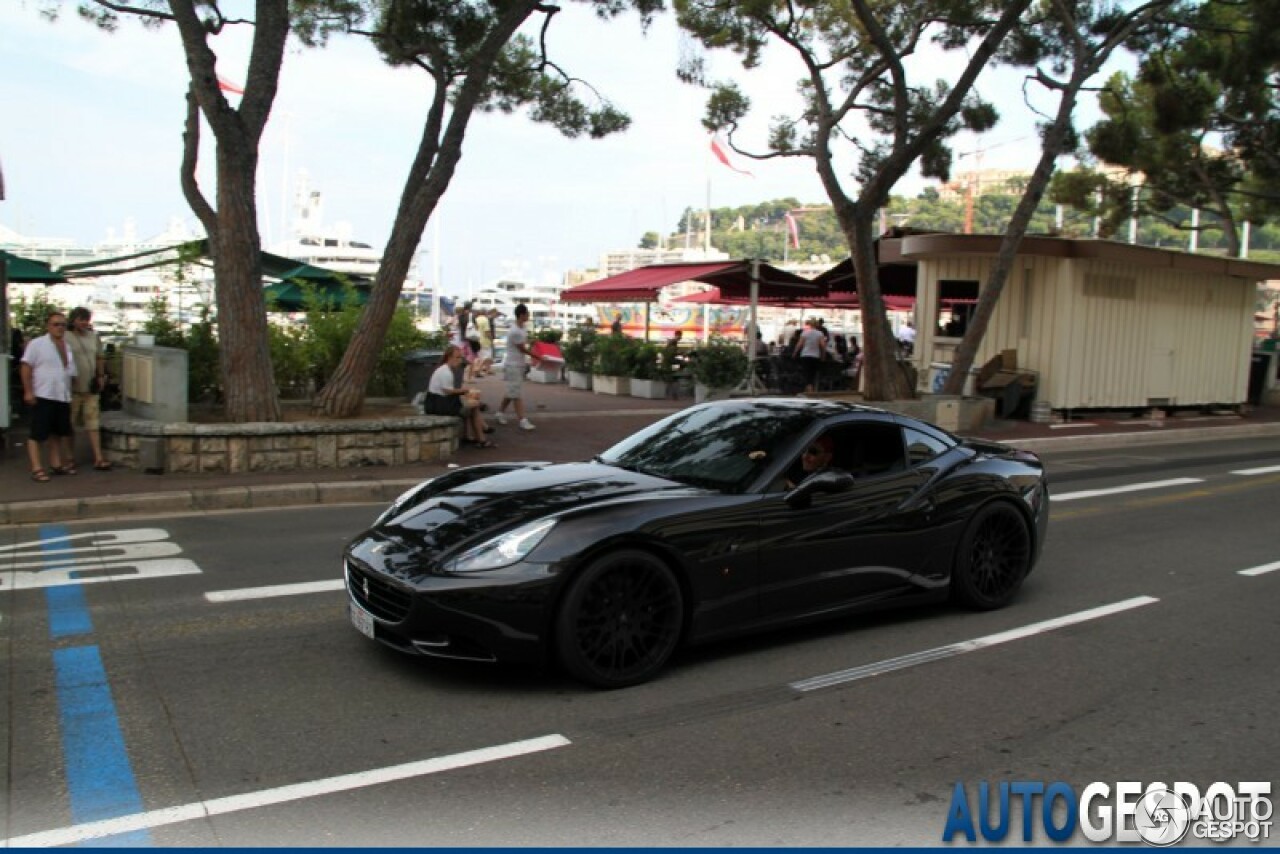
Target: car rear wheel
column 994, row 558
column 620, row 620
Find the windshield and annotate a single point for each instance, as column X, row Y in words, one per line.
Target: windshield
column 722, row 446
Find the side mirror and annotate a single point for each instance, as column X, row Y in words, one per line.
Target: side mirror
column 825, row 481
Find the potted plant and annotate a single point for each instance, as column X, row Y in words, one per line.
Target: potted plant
column 614, row 356
column 578, row 354
column 649, row 372
column 719, row 366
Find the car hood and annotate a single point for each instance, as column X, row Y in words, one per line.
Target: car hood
column 469, row 506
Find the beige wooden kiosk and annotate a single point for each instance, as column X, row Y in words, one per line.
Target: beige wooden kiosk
column 1105, row 325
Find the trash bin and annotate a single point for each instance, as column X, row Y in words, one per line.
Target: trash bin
column 1259, row 366
column 419, row 365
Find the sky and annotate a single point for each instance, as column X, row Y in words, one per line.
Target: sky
column 91, row 144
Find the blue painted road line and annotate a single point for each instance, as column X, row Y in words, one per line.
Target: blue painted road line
column 68, row 612
column 100, row 779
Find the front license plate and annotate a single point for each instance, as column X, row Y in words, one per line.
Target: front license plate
column 361, row 620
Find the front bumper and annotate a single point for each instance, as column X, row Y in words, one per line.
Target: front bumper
column 500, row 615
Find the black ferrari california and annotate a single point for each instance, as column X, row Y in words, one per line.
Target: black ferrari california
column 726, row 517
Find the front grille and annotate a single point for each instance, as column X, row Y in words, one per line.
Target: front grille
column 376, row 595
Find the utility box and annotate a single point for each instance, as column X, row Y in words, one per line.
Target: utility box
column 151, row 457
column 153, row 383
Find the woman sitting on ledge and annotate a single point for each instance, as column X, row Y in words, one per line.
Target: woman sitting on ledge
column 446, row 396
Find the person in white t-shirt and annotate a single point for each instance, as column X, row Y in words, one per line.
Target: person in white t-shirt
column 445, row 396
column 48, row 370
column 514, row 364
column 907, row 338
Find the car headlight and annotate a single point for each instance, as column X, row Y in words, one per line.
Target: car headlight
column 504, row 550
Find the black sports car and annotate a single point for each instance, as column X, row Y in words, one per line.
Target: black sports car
column 723, row 518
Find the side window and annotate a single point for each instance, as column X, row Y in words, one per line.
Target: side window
column 921, row 447
column 871, row 449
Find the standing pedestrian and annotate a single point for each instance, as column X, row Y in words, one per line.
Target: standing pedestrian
column 485, row 327
column 91, row 379
column 810, row 348
column 514, row 364
column 48, row 370
column 907, row 339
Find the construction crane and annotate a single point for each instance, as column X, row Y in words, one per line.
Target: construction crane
column 971, row 185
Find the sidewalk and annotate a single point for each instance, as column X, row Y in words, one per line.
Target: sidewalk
column 571, row 425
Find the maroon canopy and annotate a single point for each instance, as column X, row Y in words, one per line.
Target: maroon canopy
column 733, row 278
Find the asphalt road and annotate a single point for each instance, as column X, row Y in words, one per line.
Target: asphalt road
column 210, row 719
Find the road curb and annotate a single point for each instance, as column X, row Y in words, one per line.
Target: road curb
column 1172, row 436
column 149, row 504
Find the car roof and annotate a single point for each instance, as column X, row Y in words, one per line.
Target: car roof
column 819, row 407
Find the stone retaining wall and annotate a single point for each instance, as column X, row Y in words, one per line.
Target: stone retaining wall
column 276, row 446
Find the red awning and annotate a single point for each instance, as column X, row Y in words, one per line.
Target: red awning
column 733, row 278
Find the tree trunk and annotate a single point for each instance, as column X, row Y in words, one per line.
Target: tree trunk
column 247, row 377
column 439, row 150
column 245, row 349
column 885, row 379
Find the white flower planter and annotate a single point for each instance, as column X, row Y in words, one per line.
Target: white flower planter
column 579, row 380
column 602, row 384
column 649, row 389
column 545, row 375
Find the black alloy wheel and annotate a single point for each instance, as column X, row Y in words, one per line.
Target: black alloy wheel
column 993, row 559
column 620, row 621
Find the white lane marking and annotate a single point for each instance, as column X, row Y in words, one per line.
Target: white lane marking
column 1133, row 487
column 1261, row 570
column 901, row 662
column 246, row 593
column 96, row 540
column 1072, row 425
column 283, row 794
column 93, row 556
column 1264, row 470
column 84, row 557
column 91, row 573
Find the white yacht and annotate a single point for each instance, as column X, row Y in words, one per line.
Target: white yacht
column 543, row 302
column 333, row 247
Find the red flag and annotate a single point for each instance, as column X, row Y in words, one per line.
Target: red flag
column 794, row 230
column 227, row 86
column 723, row 156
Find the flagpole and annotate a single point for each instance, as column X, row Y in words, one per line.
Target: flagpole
column 706, row 246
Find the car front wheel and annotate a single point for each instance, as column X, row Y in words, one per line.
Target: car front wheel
column 993, row 559
column 620, row 620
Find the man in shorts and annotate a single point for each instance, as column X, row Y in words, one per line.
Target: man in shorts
column 514, row 364
column 91, row 376
column 48, row 370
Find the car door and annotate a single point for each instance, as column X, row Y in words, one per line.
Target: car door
column 846, row 547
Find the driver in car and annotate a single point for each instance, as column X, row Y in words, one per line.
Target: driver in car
column 816, row 457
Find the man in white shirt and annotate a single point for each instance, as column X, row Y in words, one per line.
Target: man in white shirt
column 48, row 370
column 514, row 364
